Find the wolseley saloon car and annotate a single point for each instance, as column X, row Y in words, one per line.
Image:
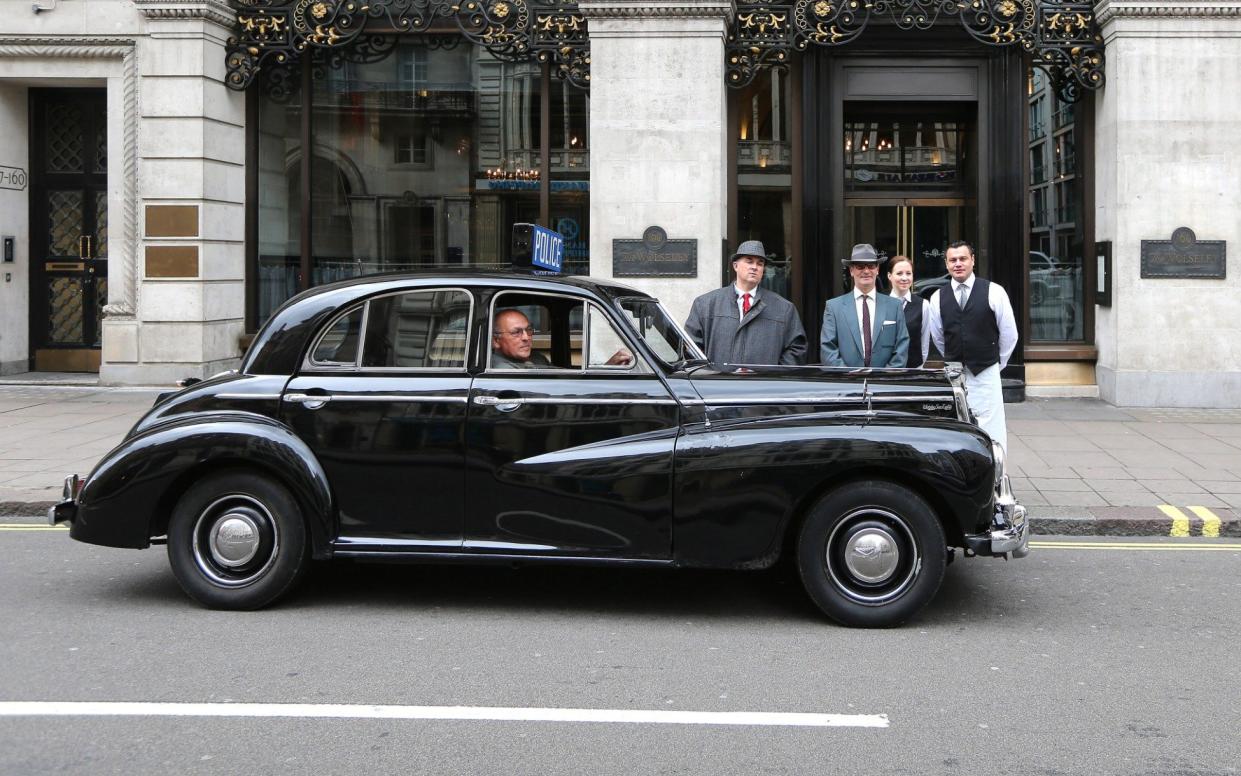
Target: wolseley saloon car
column 377, row 419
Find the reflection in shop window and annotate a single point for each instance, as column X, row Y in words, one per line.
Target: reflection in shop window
column 413, row 149
column 421, row 160
column 764, row 175
column 1056, row 282
column 903, row 154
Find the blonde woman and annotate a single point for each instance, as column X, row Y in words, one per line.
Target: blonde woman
column 917, row 310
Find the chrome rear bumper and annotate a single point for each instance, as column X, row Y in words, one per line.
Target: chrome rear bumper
column 67, row 509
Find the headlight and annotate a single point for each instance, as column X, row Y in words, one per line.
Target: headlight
column 1001, row 464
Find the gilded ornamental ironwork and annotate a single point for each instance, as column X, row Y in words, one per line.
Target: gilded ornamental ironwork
column 1062, row 37
column 274, row 34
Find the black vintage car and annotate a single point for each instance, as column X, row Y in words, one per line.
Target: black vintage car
column 376, row 419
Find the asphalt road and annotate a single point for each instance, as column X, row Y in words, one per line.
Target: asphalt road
column 1116, row 660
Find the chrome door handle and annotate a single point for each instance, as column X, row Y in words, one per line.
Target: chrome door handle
column 507, row 404
column 307, row 400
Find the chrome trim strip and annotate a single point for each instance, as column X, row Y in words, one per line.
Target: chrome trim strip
column 483, row 556
column 483, row 544
column 779, row 400
column 496, row 400
column 877, row 399
column 390, row 397
column 263, row 396
column 395, row 543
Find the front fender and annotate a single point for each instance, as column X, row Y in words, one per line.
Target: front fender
column 741, row 484
column 130, row 494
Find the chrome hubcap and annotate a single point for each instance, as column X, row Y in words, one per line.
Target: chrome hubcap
column 872, row 555
column 234, row 540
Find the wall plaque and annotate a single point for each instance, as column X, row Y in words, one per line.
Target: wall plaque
column 13, row 178
column 654, row 256
column 1183, row 256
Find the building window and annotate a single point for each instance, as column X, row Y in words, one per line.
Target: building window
column 413, row 149
column 412, row 68
column 1056, row 282
column 420, row 160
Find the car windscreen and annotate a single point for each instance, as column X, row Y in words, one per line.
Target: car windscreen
column 659, row 331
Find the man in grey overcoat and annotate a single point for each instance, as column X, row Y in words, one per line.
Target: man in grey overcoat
column 743, row 324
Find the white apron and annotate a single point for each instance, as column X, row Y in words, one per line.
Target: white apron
column 985, row 396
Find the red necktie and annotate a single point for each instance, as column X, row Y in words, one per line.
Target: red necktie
column 865, row 331
column 745, row 303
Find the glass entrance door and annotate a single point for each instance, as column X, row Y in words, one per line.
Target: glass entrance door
column 918, row 228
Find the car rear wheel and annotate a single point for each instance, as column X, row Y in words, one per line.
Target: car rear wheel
column 237, row 541
column 871, row 554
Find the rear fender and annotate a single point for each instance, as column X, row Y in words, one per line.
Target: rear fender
column 131, row 492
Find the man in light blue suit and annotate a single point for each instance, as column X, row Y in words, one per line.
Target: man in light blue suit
column 863, row 328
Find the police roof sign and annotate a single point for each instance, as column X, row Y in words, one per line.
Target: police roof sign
column 537, row 247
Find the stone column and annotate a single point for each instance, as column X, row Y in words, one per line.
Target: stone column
column 1167, row 125
column 658, row 111
column 186, row 310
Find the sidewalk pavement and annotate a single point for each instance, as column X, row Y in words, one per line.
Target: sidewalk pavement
column 1080, row 466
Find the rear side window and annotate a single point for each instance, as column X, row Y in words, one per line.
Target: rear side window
column 339, row 344
column 417, row 330
column 411, row 330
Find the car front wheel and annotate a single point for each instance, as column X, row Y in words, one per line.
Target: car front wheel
column 871, row 554
column 237, row 541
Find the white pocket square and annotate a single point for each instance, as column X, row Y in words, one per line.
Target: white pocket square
column 889, row 323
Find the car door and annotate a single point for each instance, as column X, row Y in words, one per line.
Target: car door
column 381, row 400
column 574, row 458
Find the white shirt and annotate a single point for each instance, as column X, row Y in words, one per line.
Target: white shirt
column 997, row 300
column 741, row 299
column 926, row 319
column 857, row 308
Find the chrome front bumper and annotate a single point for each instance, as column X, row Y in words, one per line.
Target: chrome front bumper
column 1011, row 532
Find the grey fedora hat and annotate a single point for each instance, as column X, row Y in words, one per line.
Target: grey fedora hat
column 750, row 248
column 863, row 253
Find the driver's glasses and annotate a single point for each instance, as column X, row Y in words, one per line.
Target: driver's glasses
column 517, row 332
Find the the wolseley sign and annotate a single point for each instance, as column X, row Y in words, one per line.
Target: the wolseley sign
column 654, row 256
column 1184, row 256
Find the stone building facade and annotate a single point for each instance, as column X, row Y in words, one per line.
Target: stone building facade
column 172, row 171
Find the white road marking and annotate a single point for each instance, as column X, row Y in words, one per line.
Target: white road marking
column 359, row 711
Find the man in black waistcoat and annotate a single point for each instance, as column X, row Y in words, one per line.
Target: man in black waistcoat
column 972, row 322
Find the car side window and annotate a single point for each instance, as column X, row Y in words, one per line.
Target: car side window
column 339, row 344
column 606, row 348
column 528, row 332
column 417, row 330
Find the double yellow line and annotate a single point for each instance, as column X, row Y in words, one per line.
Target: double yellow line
column 1180, row 521
column 30, row 527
